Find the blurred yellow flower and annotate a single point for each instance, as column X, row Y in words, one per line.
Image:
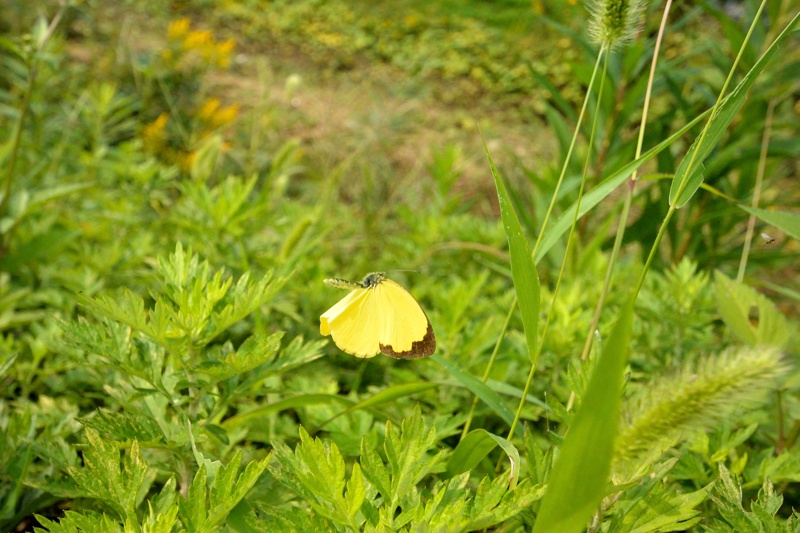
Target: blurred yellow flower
column 208, row 109
column 185, row 161
column 225, row 115
column 198, row 39
column 178, row 29
column 153, row 134
column 224, row 49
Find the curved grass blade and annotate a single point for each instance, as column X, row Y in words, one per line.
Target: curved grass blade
column 477, row 445
column 598, row 193
column 679, row 192
column 388, row 394
column 787, row 222
column 479, row 389
column 523, row 271
column 580, row 475
column 302, row 400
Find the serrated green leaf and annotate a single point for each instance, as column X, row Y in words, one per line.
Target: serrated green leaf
column 355, row 492
column 316, row 470
column 374, row 469
column 735, row 301
column 687, row 180
column 229, row 488
column 254, row 351
column 193, row 510
column 123, row 426
column 86, row 522
column 652, row 505
column 523, row 270
column 405, row 452
column 579, row 478
column 105, row 479
column 785, row 221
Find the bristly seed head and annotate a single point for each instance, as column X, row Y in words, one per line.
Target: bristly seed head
column 614, row 22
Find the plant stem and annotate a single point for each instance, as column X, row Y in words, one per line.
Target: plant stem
column 566, row 160
column 623, row 221
column 691, row 165
column 762, row 165
column 528, row 382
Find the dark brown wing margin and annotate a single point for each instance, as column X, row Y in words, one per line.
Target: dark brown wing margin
column 419, row 349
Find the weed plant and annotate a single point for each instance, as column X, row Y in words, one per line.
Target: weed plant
column 602, row 363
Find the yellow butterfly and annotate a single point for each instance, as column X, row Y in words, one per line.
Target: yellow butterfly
column 378, row 316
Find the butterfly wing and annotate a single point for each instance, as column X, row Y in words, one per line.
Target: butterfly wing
column 405, row 331
column 354, row 323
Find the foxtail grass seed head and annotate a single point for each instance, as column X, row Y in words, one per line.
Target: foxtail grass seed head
column 614, row 22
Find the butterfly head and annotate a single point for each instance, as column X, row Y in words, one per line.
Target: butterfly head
column 373, row 279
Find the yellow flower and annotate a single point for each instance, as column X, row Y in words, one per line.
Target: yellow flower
column 153, row 134
column 224, row 49
column 185, row 160
column 178, row 29
column 198, row 39
column 225, row 115
column 208, row 109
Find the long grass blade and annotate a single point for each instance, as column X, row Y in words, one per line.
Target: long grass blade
column 579, row 477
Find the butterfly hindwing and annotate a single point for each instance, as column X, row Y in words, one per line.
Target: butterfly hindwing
column 406, row 332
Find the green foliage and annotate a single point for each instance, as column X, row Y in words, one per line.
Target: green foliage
column 727, row 496
column 165, row 227
column 390, row 496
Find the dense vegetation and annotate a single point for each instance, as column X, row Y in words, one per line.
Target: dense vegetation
column 614, row 297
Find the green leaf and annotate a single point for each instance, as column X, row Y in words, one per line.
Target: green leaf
column 405, row 452
column 687, row 180
column 475, row 446
column 479, row 389
column 193, row 510
column 105, row 479
column 229, row 489
column 72, row 522
column 123, row 427
column 356, row 491
column 523, row 271
column 579, row 478
column 316, row 471
column 653, row 505
column 736, row 303
column 785, row 221
column 605, row 188
column 254, row 351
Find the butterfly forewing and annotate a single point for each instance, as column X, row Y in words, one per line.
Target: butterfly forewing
column 353, row 324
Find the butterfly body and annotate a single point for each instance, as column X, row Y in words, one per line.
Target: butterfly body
column 378, row 316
